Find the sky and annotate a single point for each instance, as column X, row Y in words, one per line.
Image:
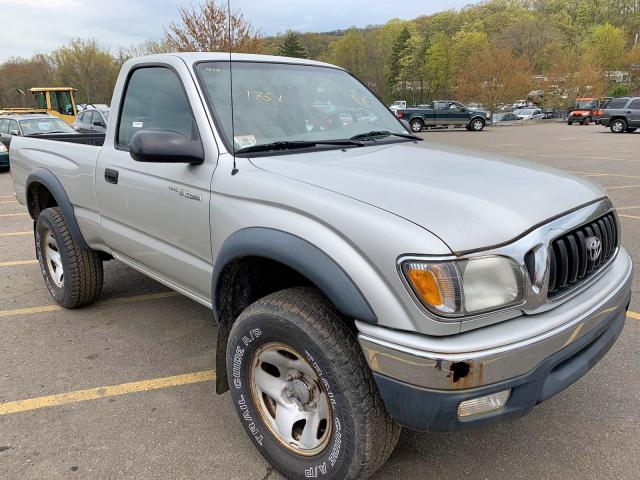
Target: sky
column 40, row 26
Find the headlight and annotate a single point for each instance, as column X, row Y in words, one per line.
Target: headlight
column 3, row 149
column 466, row 287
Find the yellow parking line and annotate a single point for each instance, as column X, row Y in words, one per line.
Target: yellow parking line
column 55, row 308
column 627, row 208
column 623, row 186
column 14, row 214
column 629, row 216
column 18, row 262
column 634, row 315
column 7, row 196
column 104, row 392
column 15, row 234
column 9, row 201
column 589, row 174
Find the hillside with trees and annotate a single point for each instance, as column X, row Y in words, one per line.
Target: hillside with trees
column 492, row 53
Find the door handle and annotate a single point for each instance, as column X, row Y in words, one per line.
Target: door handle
column 111, row 176
column 628, row 111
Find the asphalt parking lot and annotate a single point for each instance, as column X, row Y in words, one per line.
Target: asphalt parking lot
column 123, row 389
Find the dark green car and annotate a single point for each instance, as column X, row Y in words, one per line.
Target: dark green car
column 442, row 113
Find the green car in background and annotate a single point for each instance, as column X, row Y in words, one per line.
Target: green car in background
column 4, row 157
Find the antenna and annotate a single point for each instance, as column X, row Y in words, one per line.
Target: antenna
column 233, row 136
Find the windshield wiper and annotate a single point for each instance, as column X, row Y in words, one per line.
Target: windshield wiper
column 44, row 133
column 383, row 133
column 292, row 145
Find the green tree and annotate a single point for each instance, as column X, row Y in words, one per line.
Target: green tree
column 395, row 65
column 620, row 91
column 292, row 46
column 87, row 66
column 607, row 45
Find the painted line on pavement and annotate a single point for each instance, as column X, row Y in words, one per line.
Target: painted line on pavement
column 56, row 308
column 628, row 208
column 623, row 186
column 7, row 196
column 15, row 234
column 629, row 216
column 18, row 262
column 5, row 202
column 105, row 392
column 634, row 315
column 590, row 174
column 14, row 215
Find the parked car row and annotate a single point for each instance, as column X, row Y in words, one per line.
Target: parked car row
column 32, row 123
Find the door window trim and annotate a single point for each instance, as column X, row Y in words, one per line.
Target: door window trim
column 124, row 148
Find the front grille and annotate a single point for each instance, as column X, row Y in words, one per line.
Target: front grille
column 570, row 262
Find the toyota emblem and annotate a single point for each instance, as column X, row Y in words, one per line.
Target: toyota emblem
column 594, row 248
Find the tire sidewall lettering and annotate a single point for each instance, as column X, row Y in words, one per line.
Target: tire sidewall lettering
column 241, row 348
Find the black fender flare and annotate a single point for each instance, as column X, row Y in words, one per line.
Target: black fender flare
column 301, row 256
column 298, row 254
column 47, row 179
column 477, row 116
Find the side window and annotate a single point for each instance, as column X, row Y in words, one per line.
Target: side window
column 13, row 126
column 635, row 105
column 55, row 105
column 4, row 126
column 91, row 117
column 41, row 101
column 442, row 106
column 617, row 103
column 81, row 117
column 155, row 100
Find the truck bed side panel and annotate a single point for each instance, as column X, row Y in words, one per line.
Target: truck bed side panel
column 74, row 166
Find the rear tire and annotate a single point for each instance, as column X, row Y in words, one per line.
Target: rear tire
column 303, row 390
column 416, row 125
column 73, row 275
column 619, row 125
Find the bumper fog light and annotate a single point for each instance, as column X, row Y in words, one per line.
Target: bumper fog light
column 481, row 405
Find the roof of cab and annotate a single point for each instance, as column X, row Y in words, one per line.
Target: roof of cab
column 194, row 57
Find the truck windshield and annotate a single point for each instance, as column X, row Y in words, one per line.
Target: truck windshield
column 275, row 102
column 585, row 104
column 38, row 126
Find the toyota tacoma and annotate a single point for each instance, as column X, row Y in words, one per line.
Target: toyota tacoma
column 361, row 279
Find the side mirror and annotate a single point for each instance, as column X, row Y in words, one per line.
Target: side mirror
column 165, row 147
column 15, row 133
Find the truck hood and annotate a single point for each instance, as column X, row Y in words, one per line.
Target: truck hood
column 468, row 201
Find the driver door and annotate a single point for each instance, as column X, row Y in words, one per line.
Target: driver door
column 155, row 216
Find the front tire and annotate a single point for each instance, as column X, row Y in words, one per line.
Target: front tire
column 303, row 391
column 73, row 275
column 477, row 125
column 619, row 125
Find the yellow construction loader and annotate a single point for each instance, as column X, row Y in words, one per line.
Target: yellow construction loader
column 58, row 101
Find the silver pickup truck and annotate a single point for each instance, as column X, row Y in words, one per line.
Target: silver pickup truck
column 361, row 280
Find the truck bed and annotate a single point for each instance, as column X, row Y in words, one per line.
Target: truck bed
column 95, row 139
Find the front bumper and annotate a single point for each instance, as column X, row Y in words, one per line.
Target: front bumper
column 422, row 390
